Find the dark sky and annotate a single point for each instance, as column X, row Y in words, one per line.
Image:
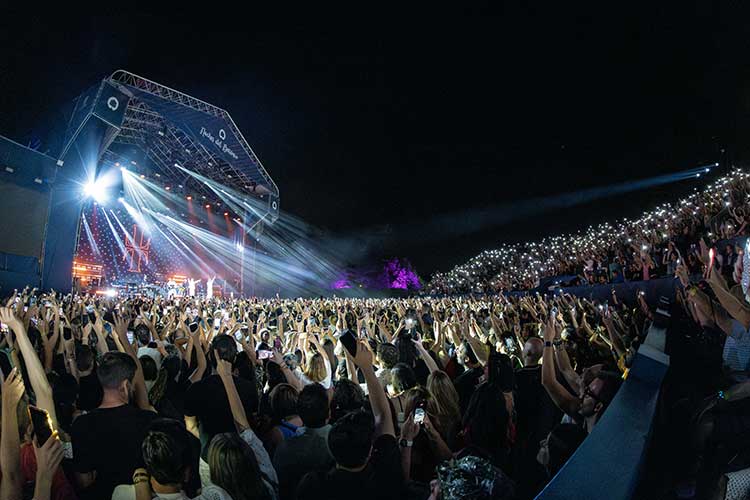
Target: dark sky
column 373, row 123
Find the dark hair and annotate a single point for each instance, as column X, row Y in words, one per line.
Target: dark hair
column 283, row 399
column 407, row 352
column 274, row 375
column 402, row 378
column 350, row 439
column 148, row 365
column 224, row 347
column 562, row 442
column 167, row 455
column 485, row 422
column 312, row 405
column 234, row 467
column 84, row 358
column 142, row 334
column 114, row 368
column 388, row 354
column 347, row 396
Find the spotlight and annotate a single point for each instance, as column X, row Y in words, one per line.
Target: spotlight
column 143, row 176
column 95, row 190
column 121, row 199
column 189, row 198
column 226, row 214
column 208, row 206
column 110, row 293
column 697, row 175
column 707, row 169
column 167, row 188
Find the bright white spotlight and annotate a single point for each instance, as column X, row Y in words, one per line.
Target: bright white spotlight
column 95, row 190
column 697, row 175
column 110, row 293
column 120, row 199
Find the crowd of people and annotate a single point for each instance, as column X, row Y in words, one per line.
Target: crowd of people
column 439, row 398
column 629, row 250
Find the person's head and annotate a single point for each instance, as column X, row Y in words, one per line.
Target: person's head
column 419, row 397
column 347, row 396
column 85, row 359
column 315, row 367
column 532, row 351
column 283, row 400
column 115, row 372
column 150, row 371
column 598, row 394
column 387, row 355
column 465, row 355
column 402, row 378
column 559, row 446
column 729, row 249
column 142, row 334
column 234, row 468
column 350, row 439
column 312, row 406
column 168, row 455
column 223, row 347
column 485, row 422
column 444, row 394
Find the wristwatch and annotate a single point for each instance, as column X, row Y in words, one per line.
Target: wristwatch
column 547, row 343
column 404, row 443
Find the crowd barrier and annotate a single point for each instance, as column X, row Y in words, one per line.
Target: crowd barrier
column 609, row 462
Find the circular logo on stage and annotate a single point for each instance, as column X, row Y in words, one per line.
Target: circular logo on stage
column 113, row 103
column 274, row 205
column 222, row 135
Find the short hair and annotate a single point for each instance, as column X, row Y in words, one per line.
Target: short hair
column 167, row 455
column 350, row 438
column 312, row 404
column 283, row 400
column 150, row 371
column 388, row 354
column 114, row 368
column 347, row 396
column 223, row 347
column 84, row 358
column 142, row 334
column 402, row 378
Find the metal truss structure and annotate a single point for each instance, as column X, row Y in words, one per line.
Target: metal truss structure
column 167, row 144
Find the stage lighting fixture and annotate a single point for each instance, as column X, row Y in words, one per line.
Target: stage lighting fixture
column 121, row 199
column 95, row 190
column 697, row 175
column 208, row 206
column 142, row 176
column 189, row 198
column 226, row 214
column 110, row 293
column 167, row 188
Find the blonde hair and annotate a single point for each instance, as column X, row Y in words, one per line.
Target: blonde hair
column 315, row 367
column 445, row 398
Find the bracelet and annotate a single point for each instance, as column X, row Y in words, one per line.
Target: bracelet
column 557, row 343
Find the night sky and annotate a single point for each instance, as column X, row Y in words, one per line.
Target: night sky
column 374, row 123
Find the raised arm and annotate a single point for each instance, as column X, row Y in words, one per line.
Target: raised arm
column 34, row 369
column 378, row 400
column 562, row 398
column 10, row 443
column 224, row 369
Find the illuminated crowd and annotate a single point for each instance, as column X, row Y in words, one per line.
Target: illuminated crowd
column 628, row 250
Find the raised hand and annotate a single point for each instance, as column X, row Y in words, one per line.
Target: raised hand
column 13, row 389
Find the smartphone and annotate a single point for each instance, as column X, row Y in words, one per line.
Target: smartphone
column 130, row 336
column 41, row 424
column 193, row 327
column 239, row 336
column 67, row 333
column 419, row 416
column 217, row 323
column 6, row 363
column 349, row 341
column 263, row 354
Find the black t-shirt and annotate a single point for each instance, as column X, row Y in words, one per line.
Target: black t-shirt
column 537, row 413
column 207, row 400
column 465, row 385
column 381, row 479
column 89, row 392
column 108, row 441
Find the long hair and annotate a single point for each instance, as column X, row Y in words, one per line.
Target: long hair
column 234, row 468
column 315, row 367
column 446, row 400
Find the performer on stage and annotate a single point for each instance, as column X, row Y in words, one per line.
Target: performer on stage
column 210, row 287
column 171, row 288
column 191, row 286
